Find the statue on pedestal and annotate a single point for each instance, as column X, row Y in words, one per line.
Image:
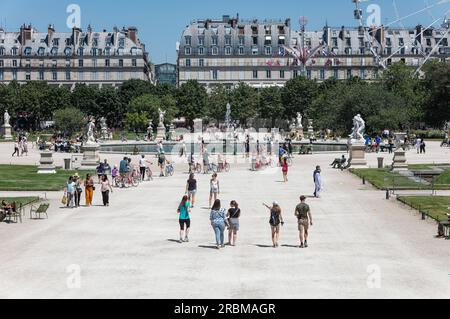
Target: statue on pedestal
column 6, row 118
column 161, row 117
column 104, row 128
column 90, row 131
column 359, row 127
column 299, row 121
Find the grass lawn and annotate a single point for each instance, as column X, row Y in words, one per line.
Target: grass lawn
column 20, row 200
column 377, row 178
column 434, row 206
column 26, row 178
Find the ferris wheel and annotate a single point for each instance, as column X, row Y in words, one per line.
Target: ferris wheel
column 429, row 8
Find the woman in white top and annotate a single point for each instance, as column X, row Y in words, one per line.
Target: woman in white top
column 105, row 188
column 215, row 189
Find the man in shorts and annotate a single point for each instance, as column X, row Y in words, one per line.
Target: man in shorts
column 303, row 214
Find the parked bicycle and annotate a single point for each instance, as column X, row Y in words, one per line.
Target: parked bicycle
column 169, row 169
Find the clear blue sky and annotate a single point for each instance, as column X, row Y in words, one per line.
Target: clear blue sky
column 161, row 22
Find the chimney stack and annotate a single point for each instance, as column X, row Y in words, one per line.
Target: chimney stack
column 132, row 34
column 76, row 32
column 25, row 34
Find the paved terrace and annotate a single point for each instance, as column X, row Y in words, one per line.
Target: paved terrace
column 128, row 249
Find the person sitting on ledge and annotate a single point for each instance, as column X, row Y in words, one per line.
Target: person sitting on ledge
column 338, row 163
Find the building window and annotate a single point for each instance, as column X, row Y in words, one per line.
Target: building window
column 107, row 75
column 228, row 51
column 94, row 63
column 362, row 74
column 134, row 63
column 14, row 63
column 255, row 50
column 201, row 63
column 349, row 74
column 2, row 51
column 41, row 76
column 68, row 51
column 1, row 75
column 107, row 63
column 215, row 40
column 80, row 76
column 268, row 50
column 268, row 74
column 27, row 51
column 187, row 51
column 120, row 76
column 308, row 74
column 94, row 76
column 201, row 51
column 67, row 75
column 241, row 51
column 201, row 41
column 1, row 63
column 281, row 51
column 322, row 74
column 121, row 63
column 215, row 74
column 215, row 51
column 295, row 74
column 80, row 51
column 242, row 41
column 14, row 75
column 255, row 74
column 188, row 40
column 227, row 40
column 281, row 74
column 14, row 51
column 80, row 63
column 28, row 77
column 336, row 74
column 188, row 63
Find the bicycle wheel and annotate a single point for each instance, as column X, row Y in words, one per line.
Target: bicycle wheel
column 227, row 168
column 289, row 161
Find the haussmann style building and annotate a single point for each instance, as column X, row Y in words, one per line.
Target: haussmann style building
column 270, row 52
column 66, row 58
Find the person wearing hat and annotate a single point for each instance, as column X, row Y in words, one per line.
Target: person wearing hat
column 317, row 182
column 276, row 219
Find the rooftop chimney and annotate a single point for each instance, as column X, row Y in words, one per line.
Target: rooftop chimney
column 132, row 34
column 25, row 34
column 76, row 32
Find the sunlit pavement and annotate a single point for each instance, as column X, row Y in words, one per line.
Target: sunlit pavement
column 361, row 245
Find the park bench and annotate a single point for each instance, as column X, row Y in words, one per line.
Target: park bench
column 38, row 211
column 15, row 214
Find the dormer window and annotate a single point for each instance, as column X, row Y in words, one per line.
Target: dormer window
column 41, row 51
column 134, row 51
column 95, row 42
column 188, row 40
column 227, row 40
column 68, row 51
column 27, row 51
column 108, row 51
column 94, row 52
column 80, row 51
column 56, row 42
column 121, row 42
column 54, row 51
column 187, row 51
column 14, row 51
column 108, row 41
column 2, row 51
column 121, row 51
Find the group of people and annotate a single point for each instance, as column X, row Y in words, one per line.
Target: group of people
column 76, row 186
column 223, row 219
column 20, row 146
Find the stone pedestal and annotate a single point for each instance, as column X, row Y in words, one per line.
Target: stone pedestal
column 6, row 132
column 172, row 133
column 358, row 154
column 46, row 163
column 300, row 134
column 400, row 164
column 91, row 157
column 161, row 133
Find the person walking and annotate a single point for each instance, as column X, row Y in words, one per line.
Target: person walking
column 89, row 189
column 105, row 187
column 214, row 188
column 100, row 171
column 143, row 166
column 276, row 220
column 218, row 223
column 285, row 169
column 423, row 146
column 191, row 189
column 317, row 182
column 234, row 213
column 303, row 214
column 16, row 149
column 70, row 191
column 184, row 210
column 78, row 190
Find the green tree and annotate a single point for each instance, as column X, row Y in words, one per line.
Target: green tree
column 84, row 98
column 69, row 120
column 217, row 103
column 244, row 103
column 109, row 106
column 192, row 101
column 436, row 83
column 136, row 122
column 298, row 95
column 270, row 104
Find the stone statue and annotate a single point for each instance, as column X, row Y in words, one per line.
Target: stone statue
column 299, row 120
column 90, row 130
column 150, row 127
column 6, row 118
column 103, row 123
column 104, row 128
column 359, row 127
column 228, row 116
column 161, row 117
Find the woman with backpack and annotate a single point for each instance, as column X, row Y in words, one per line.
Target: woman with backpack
column 276, row 219
column 191, row 188
column 234, row 213
column 184, row 210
